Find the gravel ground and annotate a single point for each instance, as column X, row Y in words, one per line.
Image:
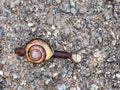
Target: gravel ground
column 66, row 25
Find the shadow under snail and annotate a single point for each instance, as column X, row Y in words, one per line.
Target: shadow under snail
column 37, row 51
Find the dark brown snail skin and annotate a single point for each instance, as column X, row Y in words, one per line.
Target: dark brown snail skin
column 37, row 51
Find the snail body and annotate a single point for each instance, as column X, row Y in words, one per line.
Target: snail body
column 37, row 51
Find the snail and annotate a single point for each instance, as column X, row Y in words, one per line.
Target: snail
column 37, row 51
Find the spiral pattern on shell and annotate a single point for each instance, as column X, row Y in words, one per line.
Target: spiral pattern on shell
column 36, row 51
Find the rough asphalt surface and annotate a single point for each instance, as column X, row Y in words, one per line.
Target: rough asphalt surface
column 66, row 25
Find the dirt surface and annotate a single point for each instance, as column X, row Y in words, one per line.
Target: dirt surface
column 66, row 25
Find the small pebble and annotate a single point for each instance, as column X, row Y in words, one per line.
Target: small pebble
column 94, row 87
column 76, row 57
column 1, row 72
column 118, row 75
column 112, row 60
column 67, row 31
column 48, row 33
column 2, row 80
column 55, row 74
column 1, row 32
column 47, row 81
column 100, row 3
column 33, row 29
column 87, row 74
column 85, row 62
column 66, row 8
column 58, row 1
column 72, row 3
column 99, row 71
column 15, row 3
column 50, row 20
column 98, row 34
column 78, row 88
column 114, row 42
column 30, row 24
column 53, row 27
column 73, row 11
column 94, row 62
column 97, row 54
column 74, row 77
column 36, row 74
column 61, row 87
column 64, row 72
column 95, row 42
column 26, row 27
column 15, row 76
column 107, row 72
column 118, row 14
column 72, row 88
column 23, row 82
column 12, row 48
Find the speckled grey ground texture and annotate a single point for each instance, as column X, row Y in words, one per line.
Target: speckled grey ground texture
column 66, row 25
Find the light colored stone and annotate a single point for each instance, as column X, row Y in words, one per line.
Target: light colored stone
column 1, row 72
column 73, row 11
column 94, row 62
column 55, row 74
column 67, row 31
column 94, row 87
column 47, row 81
column 74, row 77
column 98, row 54
column 23, row 82
column 56, row 33
column 50, row 20
column 76, row 57
column 66, row 7
column 58, row 1
column 118, row 75
column 61, row 87
column 53, row 27
column 72, row 3
column 72, row 88
column 30, row 24
column 15, row 3
column 78, row 88
column 15, row 76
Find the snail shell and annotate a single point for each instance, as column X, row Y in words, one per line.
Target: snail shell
column 37, row 51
